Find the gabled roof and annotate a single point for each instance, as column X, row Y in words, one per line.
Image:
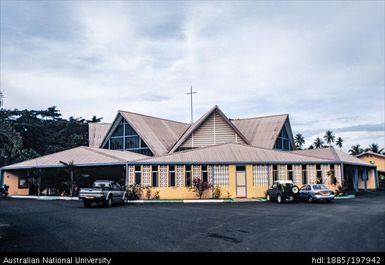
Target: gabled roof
column 96, row 133
column 261, row 131
column 193, row 127
column 371, row 153
column 232, row 153
column 332, row 154
column 82, row 155
column 159, row 134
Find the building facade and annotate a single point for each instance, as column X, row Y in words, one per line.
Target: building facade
column 242, row 157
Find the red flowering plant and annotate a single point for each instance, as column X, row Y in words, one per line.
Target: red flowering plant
column 199, row 186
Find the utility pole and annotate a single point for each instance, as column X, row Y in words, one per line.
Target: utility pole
column 191, row 96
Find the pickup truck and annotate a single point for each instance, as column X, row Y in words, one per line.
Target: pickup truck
column 104, row 192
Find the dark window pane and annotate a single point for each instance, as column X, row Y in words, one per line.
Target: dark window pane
column 118, row 131
column 129, row 130
column 204, row 176
column 132, row 142
column 318, row 167
column 116, row 143
column 138, row 177
column 304, row 179
column 137, row 168
column 274, row 167
column 171, row 168
column 331, row 167
column 188, row 168
column 155, row 179
column 154, row 168
column 241, row 168
column 204, row 167
column 289, row 167
column 172, row 179
column 290, row 175
column 188, row 179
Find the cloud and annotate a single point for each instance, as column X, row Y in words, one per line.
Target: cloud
column 323, row 63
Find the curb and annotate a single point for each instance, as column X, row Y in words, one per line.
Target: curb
column 52, row 198
column 45, row 198
column 351, row 196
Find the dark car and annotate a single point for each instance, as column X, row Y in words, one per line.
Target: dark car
column 104, row 192
column 283, row 191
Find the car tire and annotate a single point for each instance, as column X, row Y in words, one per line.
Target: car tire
column 87, row 204
column 268, row 198
column 279, row 198
column 108, row 202
column 310, row 199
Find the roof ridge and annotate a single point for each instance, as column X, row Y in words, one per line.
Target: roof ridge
column 259, row 117
column 370, row 153
column 104, row 154
column 149, row 116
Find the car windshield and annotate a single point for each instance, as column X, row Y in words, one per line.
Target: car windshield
column 101, row 184
column 319, row 187
column 287, row 185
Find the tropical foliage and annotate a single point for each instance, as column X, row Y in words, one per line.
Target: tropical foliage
column 356, row 150
column 199, row 187
column 299, row 141
column 26, row 134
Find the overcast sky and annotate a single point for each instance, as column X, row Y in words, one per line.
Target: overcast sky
column 321, row 62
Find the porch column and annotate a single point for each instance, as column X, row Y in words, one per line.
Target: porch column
column 376, row 178
column 365, row 175
column 127, row 174
column 355, row 181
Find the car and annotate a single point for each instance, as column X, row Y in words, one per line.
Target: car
column 104, row 192
column 283, row 191
column 316, row 192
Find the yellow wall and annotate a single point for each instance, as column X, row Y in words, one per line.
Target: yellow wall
column 12, row 181
column 376, row 160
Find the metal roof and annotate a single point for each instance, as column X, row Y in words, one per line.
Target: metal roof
column 232, row 153
column 261, row 131
column 96, row 133
column 196, row 125
column 371, row 153
column 81, row 155
column 332, row 154
column 159, row 134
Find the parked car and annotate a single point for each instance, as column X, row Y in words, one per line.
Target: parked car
column 104, row 192
column 4, row 191
column 316, row 192
column 283, row 191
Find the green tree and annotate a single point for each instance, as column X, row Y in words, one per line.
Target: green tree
column 356, row 150
column 329, row 137
column 299, row 141
column 375, row 148
column 318, row 143
column 339, row 142
column 311, row 146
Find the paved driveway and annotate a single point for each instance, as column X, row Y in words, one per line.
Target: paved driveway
column 344, row 225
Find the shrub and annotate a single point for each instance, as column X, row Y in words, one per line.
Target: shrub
column 134, row 191
column 148, row 192
column 199, row 187
column 217, row 192
column 156, row 195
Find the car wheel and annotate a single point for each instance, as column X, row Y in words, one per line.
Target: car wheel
column 268, row 198
column 125, row 199
column 310, row 199
column 108, row 202
column 87, row 204
column 279, row 198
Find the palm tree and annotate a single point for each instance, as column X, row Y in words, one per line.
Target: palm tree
column 374, row 148
column 299, row 141
column 311, row 146
column 329, row 137
column 355, row 150
column 339, row 142
column 318, row 143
